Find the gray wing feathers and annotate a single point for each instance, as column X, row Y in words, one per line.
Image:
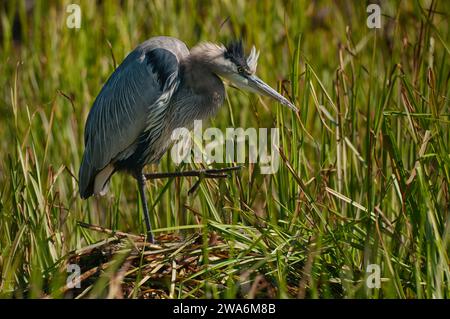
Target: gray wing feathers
column 132, row 101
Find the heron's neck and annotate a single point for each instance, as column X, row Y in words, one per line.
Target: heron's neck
column 199, row 76
column 200, row 93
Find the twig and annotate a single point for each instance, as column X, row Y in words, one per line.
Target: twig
column 88, row 249
column 118, row 234
column 83, row 277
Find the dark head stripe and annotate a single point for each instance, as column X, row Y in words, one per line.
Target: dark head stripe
column 235, row 53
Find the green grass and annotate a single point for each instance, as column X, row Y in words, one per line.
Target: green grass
column 364, row 176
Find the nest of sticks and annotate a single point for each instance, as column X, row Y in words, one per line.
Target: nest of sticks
column 126, row 266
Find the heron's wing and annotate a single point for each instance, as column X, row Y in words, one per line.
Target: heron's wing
column 133, row 100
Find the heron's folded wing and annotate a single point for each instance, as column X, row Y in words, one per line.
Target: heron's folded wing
column 134, row 99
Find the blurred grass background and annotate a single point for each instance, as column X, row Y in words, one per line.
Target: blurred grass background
column 364, row 176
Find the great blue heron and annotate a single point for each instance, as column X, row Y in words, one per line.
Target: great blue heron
column 160, row 86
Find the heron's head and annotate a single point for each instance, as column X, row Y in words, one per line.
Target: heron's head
column 230, row 63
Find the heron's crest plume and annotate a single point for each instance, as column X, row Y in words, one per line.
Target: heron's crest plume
column 235, row 53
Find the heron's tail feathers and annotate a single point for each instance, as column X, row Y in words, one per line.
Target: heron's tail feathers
column 85, row 178
column 101, row 181
column 92, row 181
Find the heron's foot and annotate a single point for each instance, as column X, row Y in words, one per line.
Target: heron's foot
column 150, row 238
column 201, row 174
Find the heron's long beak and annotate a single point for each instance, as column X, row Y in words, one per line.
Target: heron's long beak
column 258, row 86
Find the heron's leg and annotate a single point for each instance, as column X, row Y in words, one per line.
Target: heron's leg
column 141, row 185
column 203, row 173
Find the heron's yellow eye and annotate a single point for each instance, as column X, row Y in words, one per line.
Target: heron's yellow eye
column 240, row 69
